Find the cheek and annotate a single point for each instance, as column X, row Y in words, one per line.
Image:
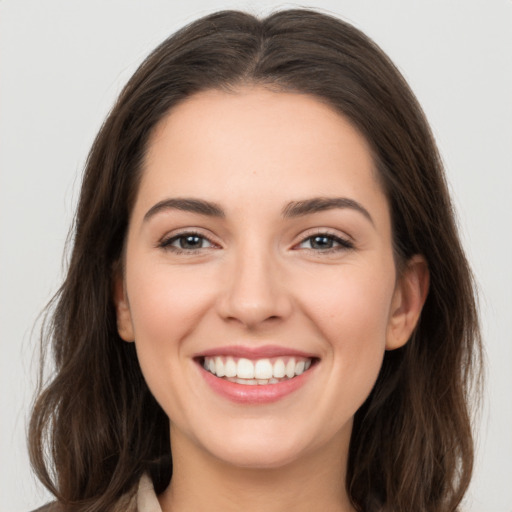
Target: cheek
column 165, row 301
column 166, row 304
column 353, row 302
column 351, row 311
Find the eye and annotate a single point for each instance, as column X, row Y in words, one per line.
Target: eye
column 324, row 242
column 186, row 242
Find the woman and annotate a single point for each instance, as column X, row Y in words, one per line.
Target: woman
column 267, row 305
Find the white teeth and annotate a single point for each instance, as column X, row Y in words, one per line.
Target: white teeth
column 279, row 369
column 219, row 367
column 290, row 368
column 261, row 371
column 299, row 367
column 250, row 382
column 245, row 369
column 230, row 367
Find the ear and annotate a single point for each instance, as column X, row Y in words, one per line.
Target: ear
column 410, row 294
column 123, row 315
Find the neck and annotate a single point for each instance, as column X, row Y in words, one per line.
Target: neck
column 201, row 482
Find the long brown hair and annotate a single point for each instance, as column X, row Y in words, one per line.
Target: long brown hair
column 95, row 427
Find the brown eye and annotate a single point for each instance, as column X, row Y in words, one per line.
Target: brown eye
column 186, row 242
column 190, row 242
column 321, row 242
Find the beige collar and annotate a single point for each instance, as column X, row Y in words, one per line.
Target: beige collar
column 146, row 497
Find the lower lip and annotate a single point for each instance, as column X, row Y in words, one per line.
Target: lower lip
column 258, row 393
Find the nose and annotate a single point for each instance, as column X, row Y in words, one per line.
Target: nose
column 254, row 291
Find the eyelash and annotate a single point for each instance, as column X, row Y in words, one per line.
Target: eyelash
column 166, row 243
column 343, row 243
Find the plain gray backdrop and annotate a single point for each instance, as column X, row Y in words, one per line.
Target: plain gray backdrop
column 62, row 63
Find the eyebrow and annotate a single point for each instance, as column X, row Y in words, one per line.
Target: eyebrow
column 319, row 204
column 292, row 209
column 188, row 205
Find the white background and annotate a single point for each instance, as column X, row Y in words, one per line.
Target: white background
column 62, row 63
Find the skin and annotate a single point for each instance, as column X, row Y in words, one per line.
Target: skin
column 256, row 279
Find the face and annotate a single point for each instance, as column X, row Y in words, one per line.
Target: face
column 260, row 247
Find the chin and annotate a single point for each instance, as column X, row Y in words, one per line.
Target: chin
column 259, row 457
column 259, row 448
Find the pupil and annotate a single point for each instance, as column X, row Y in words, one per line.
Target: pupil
column 321, row 242
column 190, row 242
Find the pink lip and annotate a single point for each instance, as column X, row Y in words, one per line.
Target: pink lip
column 250, row 352
column 257, row 394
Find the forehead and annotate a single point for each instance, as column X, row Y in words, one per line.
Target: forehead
column 224, row 145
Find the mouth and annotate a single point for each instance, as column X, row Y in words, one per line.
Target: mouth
column 257, row 372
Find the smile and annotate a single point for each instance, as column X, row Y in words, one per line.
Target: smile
column 256, row 372
column 253, row 375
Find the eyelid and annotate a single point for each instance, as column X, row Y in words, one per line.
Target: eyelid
column 345, row 241
column 165, row 241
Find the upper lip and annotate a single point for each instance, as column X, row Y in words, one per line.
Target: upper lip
column 254, row 352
